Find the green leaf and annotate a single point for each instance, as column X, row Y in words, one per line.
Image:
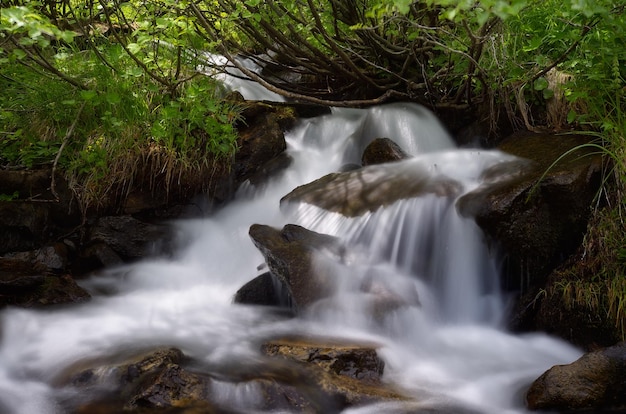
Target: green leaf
column 134, row 48
column 540, row 84
column 403, row 6
column 66, row 36
column 134, row 72
column 534, row 44
column 482, row 17
column 9, row 197
column 88, row 95
column 571, row 116
column 18, row 54
column 113, row 98
column 548, row 93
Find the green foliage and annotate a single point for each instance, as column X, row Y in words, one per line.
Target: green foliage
column 134, row 95
column 596, row 282
column 9, row 197
column 579, row 38
column 32, row 27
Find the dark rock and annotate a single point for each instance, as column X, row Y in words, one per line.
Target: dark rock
column 36, row 215
column 538, row 220
column 260, row 154
column 288, row 254
column 354, row 193
column 259, row 143
column 54, row 257
column 577, row 321
column 306, row 110
column 109, row 406
column 270, row 169
column 95, row 256
column 144, row 382
column 264, row 290
column 156, row 381
column 382, row 150
column 29, row 284
column 24, row 225
column 593, row 383
column 127, row 236
column 119, row 369
column 301, row 279
column 171, row 386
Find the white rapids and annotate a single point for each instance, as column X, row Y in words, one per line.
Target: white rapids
column 450, row 351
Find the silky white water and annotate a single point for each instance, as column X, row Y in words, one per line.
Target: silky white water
column 446, row 347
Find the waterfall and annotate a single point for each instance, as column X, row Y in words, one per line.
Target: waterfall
column 451, row 349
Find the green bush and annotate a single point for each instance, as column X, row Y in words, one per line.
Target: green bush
column 122, row 106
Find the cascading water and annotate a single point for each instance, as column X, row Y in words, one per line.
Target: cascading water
column 447, row 349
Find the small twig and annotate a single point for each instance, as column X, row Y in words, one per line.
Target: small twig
column 58, row 156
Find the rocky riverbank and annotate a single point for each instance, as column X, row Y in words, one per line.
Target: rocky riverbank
column 536, row 212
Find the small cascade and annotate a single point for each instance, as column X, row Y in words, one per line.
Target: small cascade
column 418, row 279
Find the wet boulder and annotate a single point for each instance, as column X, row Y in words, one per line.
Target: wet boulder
column 355, row 361
column 306, row 268
column 354, row 193
column 261, row 138
column 537, row 214
column 594, row 383
column 323, row 375
column 382, row 150
column 158, row 381
column 172, row 386
column 152, row 380
column 289, row 254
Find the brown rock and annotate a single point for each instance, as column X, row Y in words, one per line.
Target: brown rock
column 150, row 381
column 31, row 284
column 288, row 254
column 595, row 382
column 259, row 143
column 36, row 215
column 354, row 193
column 126, row 236
column 382, row 150
column 359, row 362
column 538, row 212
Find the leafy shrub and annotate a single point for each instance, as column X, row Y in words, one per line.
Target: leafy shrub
column 126, row 106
